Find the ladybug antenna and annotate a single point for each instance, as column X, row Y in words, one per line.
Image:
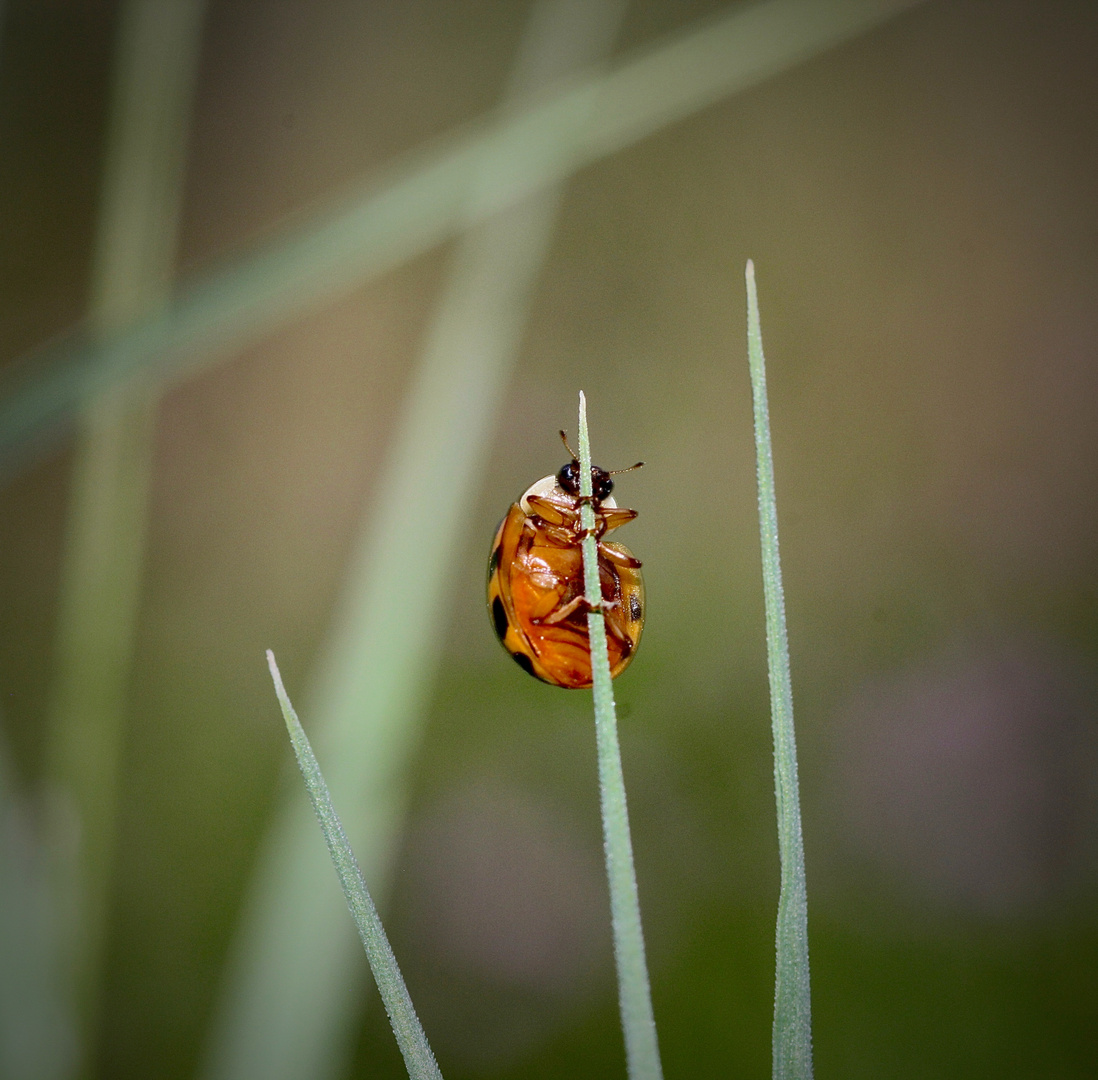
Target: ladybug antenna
column 610, row 472
column 564, row 439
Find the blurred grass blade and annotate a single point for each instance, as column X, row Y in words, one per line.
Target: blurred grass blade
column 432, row 195
column 156, row 56
column 792, row 995
column 291, row 997
column 37, row 1037
column 418, row 1058
column 634, row 995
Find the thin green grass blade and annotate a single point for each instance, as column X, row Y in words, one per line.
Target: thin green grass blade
column 37, row 1029
column 293, row 990
column 96, row 635
column 425, row 199
column 792, row 995
column 157, row 55
column 638, row 1024
column 418, row 1058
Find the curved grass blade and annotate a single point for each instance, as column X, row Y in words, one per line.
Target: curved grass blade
column 418, row 1058
column 157, row 55
column 792, row 995
column 638, row 1023
column 294, row 982
column 423, row 201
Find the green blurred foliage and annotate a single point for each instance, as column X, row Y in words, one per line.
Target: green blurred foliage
column 921, row 208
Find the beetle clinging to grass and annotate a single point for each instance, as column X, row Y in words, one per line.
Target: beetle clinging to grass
column 535, row 579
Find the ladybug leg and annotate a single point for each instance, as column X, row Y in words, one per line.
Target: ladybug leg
column 607, row 518
column 613, row 553
column 612, row 616
column 600, row 518
column 616, row 630
column 613, row 517
column 548, row 512
column 578, row 603
column 569, row 534
column 562, row 535
column 552, row 523
column 562, row 613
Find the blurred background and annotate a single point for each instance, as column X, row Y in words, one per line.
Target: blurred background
column 294, row 297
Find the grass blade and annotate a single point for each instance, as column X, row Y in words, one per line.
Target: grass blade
column 418, row 1058
column 291, row 997
column 634, row 995
column 157, row 54
column 37, row 1029
column 792, row 995
column 425, row 200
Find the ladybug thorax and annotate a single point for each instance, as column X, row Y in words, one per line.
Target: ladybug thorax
column 548, row 488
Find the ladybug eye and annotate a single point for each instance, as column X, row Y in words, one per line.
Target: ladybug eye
column 568, row 478
column 601, row 484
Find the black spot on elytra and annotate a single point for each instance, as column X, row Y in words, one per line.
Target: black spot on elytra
column 634, row 607
column 499, row 618
column 493, row 560
column 524, row 662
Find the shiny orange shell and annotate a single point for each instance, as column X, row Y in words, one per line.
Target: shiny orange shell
column 535, row 587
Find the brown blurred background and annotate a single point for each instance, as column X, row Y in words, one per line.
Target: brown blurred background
column 920, row 203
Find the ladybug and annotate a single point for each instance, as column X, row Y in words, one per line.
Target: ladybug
column 535, row 579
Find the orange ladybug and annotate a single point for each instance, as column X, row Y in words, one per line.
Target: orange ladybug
column 535, row 579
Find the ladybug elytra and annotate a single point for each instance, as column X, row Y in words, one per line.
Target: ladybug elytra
column 535, row 579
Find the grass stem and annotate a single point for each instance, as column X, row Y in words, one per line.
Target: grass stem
column 418, row 1058
column 638, row 1024
column 792, row 997
column 99, row 605
column 295, row 988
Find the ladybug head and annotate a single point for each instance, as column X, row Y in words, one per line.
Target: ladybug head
column 601, row 484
